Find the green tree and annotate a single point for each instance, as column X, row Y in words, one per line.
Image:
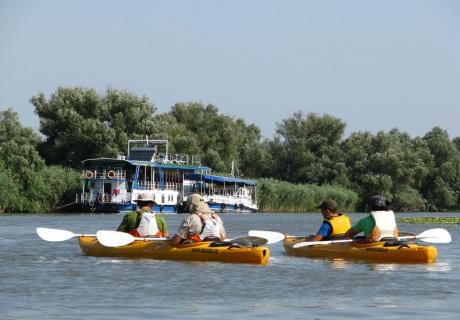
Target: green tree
column 219, row 139
column 391, row 164
column 26, row 184
column 442, row 186
column 9, row 191
column 79, row 124
column 311, row 149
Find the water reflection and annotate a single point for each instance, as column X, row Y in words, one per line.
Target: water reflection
column 443, row 266
column 384, row 267
column 340, row 264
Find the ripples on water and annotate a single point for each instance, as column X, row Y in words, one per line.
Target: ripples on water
column 42, row 280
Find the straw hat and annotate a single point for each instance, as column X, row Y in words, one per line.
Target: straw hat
column 145, row 197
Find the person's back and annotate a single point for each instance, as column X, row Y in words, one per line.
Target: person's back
column 380, row 224
column 143, row 222
column 202, row 223
column 334, row 225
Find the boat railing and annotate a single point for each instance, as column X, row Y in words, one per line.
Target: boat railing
column 229, row 192
column 177, row 158
column 91, row 199
column 148, row 185
column 104, row 174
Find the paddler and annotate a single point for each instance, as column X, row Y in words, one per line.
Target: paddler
column 201, row 224
column 335, row 224
column 381, row 222
column 143, row 222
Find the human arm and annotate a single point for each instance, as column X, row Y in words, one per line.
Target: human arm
column 162, row 226
column 176, row 240
column 188, row 225
column 130, row 221
column 123, row 227
column 351, row 232
column 324, row 231
column 365, row 225
column 223, row 232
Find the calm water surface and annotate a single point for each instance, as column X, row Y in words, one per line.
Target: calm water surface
column 43, row 280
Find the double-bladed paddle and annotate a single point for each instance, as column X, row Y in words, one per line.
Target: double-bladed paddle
column 110, row 238
column 271, row 236
column 105, row 237
column 55, row 235
column 436, row 235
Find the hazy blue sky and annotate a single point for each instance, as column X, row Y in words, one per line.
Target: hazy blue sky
column 374, row 64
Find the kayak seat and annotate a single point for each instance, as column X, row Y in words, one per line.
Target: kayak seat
column 228, row 244
column 396, row 243
column 220, row 244
column 250, row 241
column 388, row 239
column 214, row 239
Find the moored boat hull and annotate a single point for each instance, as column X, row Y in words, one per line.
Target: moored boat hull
column 377, row 251
column 164, row 250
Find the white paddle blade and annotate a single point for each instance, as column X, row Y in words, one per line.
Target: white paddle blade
column 436, row 235
column 54, row 235
column 110, row 238
column 271, row 236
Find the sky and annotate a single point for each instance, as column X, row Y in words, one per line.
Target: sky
column 376, row 65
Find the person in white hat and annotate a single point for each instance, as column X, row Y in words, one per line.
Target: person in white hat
column 201, row 225
column 143, row 222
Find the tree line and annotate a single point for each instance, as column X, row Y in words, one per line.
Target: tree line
column 421, row 173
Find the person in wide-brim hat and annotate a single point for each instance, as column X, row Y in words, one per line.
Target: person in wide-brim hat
column 200, row 224
column 141, row 223
column 145, row 198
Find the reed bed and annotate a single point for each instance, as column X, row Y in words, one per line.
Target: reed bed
column 280, row 196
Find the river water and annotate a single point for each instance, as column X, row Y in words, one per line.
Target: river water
column 44, row 280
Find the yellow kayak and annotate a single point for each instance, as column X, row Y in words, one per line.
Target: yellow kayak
column 376, row 251
column 164, row 250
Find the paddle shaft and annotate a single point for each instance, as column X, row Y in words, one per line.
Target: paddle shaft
column 430, row 236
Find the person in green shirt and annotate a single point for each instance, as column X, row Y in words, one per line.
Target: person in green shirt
column 380, row 223
column 142, row 222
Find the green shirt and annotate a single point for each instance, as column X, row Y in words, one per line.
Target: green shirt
column 365, row 225
column 132, row 219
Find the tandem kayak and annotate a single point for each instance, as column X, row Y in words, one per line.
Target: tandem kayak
column 390, row 251
column 164, row 250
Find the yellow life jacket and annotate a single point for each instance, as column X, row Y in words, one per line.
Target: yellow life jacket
column 339, row 224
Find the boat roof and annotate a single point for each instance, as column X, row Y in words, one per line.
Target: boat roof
column 147, row 163
column 220, row 179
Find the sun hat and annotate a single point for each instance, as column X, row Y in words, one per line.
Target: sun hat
column 145, row 197
column 195, row 198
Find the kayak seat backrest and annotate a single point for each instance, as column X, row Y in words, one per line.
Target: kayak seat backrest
column 220, row 244
column 388, row 239
column 396, row 243
column 211, row 238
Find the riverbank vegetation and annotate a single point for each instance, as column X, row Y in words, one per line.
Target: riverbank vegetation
column 306, row 160
column 431, row 220
column 281, row 196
